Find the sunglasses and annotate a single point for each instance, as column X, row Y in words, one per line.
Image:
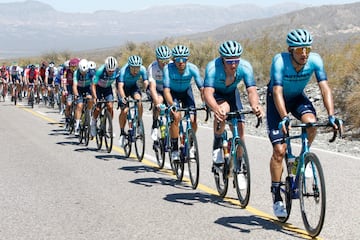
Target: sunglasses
column 164, row 61
column 300, row 50
column 232, row 61
column 181, row 59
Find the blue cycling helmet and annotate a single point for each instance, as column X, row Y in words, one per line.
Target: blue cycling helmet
column 135, row 61
column 180, row 51
column 230, row 49
column 299, row 37
column 163, row 52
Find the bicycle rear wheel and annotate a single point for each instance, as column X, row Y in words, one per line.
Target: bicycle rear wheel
column 82, row 127
column 312, row 195
column 127, row 144
column 286, row 189
column 108, row 132
column 221, row 173
column 193, row 159
column 139, row 140
column 242, row 174
column 159, row 149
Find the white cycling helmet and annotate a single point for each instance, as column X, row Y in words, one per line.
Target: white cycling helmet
column 110, row 63
column 83, row 65
column 91, row 65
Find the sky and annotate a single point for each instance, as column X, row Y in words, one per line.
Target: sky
column 88, row 6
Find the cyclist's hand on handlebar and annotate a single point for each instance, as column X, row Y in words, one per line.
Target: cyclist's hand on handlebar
column 220, row 114
column 258, row 111
column 336, row 123
column 123, row 100
column 284, row 124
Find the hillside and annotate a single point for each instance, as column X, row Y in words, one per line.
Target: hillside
column 31, row 28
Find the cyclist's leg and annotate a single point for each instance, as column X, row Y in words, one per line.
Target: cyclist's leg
column 306, row 113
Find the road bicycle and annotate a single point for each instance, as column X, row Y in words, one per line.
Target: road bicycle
column 188, row 149
column 236, row 161
column 104, row 126
column 31, row 97
column 162, row 145
column 84, row 127
column 303, row 179
column 136, row 132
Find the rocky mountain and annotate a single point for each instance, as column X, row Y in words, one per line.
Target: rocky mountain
column 329, row 24
column 32, row 28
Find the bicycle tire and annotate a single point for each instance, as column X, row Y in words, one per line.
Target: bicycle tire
column 139, row 140
column 178, row 166
column 309, row 183
column 159, row 149
column 127, row 144
column 99, row 133
column 87, row 128
column 108, row 131
column 193, row 162
column 286, row 189
column 82, row 127
column 242, row 174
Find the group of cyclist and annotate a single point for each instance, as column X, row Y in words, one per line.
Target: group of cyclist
column 168, row 81
column 19, row 81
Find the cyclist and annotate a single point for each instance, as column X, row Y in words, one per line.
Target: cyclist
column 4, row 79
column 155, row 73
column 67, row 79
column 130, row 73
column 92, row 66
column 42, row 74
column 101, row 87
column 81, row 87
column 290, row 73
column 50, row 75
column 222, row 76
column 31, row 75
column 15, row 79
column 177, row 88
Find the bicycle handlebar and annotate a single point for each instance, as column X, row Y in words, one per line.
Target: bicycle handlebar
column 321, row 124
column 236, row 114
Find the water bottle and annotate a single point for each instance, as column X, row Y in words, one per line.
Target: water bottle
column 291, row 164
column 162, row 131
column 225, row 148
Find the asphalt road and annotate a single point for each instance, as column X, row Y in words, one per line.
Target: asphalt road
column 53, row 188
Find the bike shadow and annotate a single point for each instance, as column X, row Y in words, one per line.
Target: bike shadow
column 246, row 224
column 198, row 197
column 108, row 157
column 151, row 181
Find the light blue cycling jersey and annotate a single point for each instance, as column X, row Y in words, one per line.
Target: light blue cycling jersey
column 102, row 78
column 215, row 76
column 83, row 80
column 128, row 79
column 181, row 82
column 283, row 74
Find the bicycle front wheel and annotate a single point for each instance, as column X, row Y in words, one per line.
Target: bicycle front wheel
column 193, row 159
column 241, row 173
column 99, row 133
column 139, row 140
column 312, row 195
column 87, row 128
column 108, row 132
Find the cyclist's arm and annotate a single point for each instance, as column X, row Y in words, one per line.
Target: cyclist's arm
column 168, row 97
column 254, row 101
column 279, row 101
column 327, row 97
column 219, row 112
column 121, row 90
column 153, row 92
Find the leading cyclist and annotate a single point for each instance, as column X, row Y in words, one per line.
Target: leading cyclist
column 290, row 72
